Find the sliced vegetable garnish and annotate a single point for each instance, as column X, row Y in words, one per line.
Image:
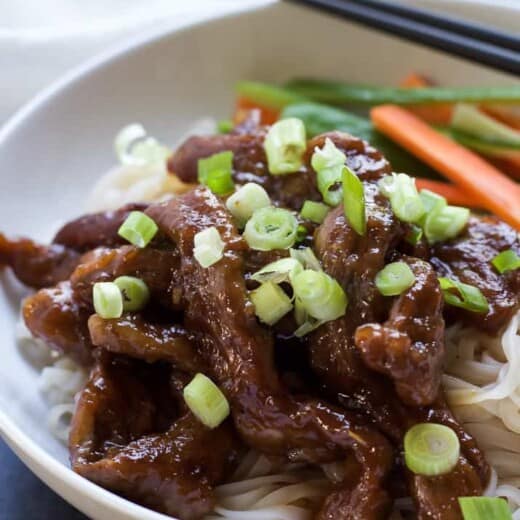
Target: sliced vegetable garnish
column 445, row 223
column 307, row 258
column 404, row 197
column 489, row 187
column 271, row 303
column 279, row 271
column 463, row 295
column 354, row 201
column 414, row 235
column 484, row 508
column 132, row 147
column 205, row 399
column 319, row 295
column 453, row 194
column 284, row 146
column 271, row 228
column 266, row 95
column 108, row 300
column 314, row 211
column 394, row 279
column 225, row 126
column 208, row 247
column 328, row 163
column 431, row 449
column 472, row 121
column 506, row 261
column 215, row 172
column 246, row 200
column 135, row 292
column 301, row 233
column 138, row 229
column 336, row 92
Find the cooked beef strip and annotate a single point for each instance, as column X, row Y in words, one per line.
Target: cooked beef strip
column 133, row 336
column 240, row 354
column 354, row 262
column 55, row 316
column 409, row 346
column 436, row 497
column 467, row 259
column 156, row 267
column 96, row 229
column 250, row 163
column 36, row 265
column 125, row 437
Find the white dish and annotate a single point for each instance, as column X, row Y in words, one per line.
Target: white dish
column 53, row 150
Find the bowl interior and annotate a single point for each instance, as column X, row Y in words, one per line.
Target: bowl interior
column 52, row 153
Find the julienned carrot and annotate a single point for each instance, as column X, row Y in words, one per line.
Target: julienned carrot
column 268, row 116
column 453, row 194
column 507, row 115
column 490, row 188
column 436, row 114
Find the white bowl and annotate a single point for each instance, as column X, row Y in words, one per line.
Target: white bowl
column 52, row 151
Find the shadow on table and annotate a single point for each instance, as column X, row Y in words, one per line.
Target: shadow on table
column 24, row 497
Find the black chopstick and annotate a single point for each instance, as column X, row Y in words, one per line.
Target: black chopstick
column 447, row 22
column 401, row 25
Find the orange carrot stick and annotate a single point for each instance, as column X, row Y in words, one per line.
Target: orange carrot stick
column 268, row 116
column 489, row 187
column 436, row 114
column 453, row 194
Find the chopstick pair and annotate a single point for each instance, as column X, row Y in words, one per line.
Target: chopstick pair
column 469, row 40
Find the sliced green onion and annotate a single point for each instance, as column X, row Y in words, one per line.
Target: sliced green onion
column 306, row 257
column 314, row 211
column 354, row 201
column 271, row 228
column 319, row 295
column 246, row 200
column 301, row 233
column 225, row 126
column 404, row 198
column 271, row 303
column 394, row 279
column 414, row 235
column 330, row 156
column 431, row 449
column 134, row 291
column 328, row 163
column 506, row 261
column 138, row 229
column 206, row 401
column 278, row 271
column 285, row 145
column 445, row 223
column 132, row 147
column 208, row 247
column 215, row 172
column 484, row 508
column 462, row 295
column 431, row 201
column 108, row 300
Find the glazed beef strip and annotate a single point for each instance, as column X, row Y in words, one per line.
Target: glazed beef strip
column 36, row 265
column 467, row 259
column 409, row 346
column 127, row 436
column 354, row 262
column 240, row 354
column 96, row 229
column 157, row 268
column 250, row 163
column 133, row 336
column 58, row 318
